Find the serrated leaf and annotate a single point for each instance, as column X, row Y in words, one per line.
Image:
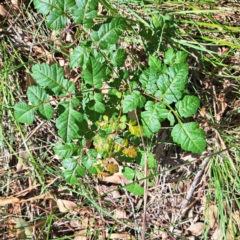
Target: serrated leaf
column 85, row 12
column 128, row 173
column 189, row 136
column 56, row 19
column 89, row 163
column 80, row 171
column 94, row 73
column 24, row 113
column 43, row 6
column 97, row 104
column 118, row 57
column 67, row 123
column 148, row 79
column 131, row 102
column 69, row 163
column 155, row 64
column 170, row 56
column 52, row 77
column 157, row 20
column 151, row 117
column 151, row 160
column 166, row 114
column 130, row 152
column 79, row 56
column 181, row 57
column 109, row 32
column 172, row 83
column 188, row 106
column 65, row 5
column 65, row 150
column 135, row 189
column 70, row 177
column 38, row 96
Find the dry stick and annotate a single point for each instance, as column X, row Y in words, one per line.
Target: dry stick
column 145, row 182
column 194, row 184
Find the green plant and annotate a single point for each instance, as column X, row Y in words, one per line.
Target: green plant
column 98, row 110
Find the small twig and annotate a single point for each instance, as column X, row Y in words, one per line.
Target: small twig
column 194, row 184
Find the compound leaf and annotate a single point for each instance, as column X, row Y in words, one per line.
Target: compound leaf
column 24, row 113
column 131, row 102
column 109, row 32
column 188, row 106
column 172, row 83
column 52, row 78
column 85, row 12
column 189, row 136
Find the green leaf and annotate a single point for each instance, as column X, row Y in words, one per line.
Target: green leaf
column 43, row 6
column 69, row 163
column 131, row 102
column 150, row 117
column 181, row 57
column 118, row 58
column 156, row 64
column 85, row 12
column 166, row 114
column 38, row 96
column 79, row 56
column 24, row 113
column 189, row 136
column 135, row 189
column 170, row 56
column 94, row 73
column 65, row 150
column 80, row 171
column 96, row 104
column 157, row 20
column 70, row 177
column 67, row 123
column 109, row 32
column 148, row 79
column 172, row 83
column 188, row 106
column 151, row 160
column 56, row 19
column 65, row 5
column 128, row 173
column 52, row 77
column 88, row 162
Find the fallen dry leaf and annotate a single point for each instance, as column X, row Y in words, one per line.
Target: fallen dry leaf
column 120, row 214
column 123, row 236
column 218, row 234
column 212, row 215
column 8, row 200
column 197, row 228
column 65, row 205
